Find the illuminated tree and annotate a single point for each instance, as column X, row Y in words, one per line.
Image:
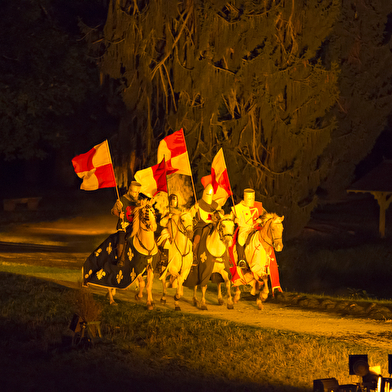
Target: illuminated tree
column 242, row 75
column 361, row 43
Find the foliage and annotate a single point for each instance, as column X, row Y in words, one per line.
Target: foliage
column 361, row 43
column 45, row 77
column 245, row 76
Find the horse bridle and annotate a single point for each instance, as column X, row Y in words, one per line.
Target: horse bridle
column 182, row 232
column 220, row 229
column 269, row 230
column 145, row 218
column 182, row 225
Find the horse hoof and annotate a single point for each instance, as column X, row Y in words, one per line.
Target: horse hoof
column 177, row 308
column 194, row 302
column 220, row 301
column 137, row 298
column 203, row 307
column 163, row 301
column 113, row 303
column 150, row 307
column 230, row 306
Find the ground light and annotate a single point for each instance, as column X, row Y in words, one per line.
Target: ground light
column 371, row 379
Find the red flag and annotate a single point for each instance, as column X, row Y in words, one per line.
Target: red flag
column 95, row 168
column 219, row 179
column 173, row 149
column 153, row 179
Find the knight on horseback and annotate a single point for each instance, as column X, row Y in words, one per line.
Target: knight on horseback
column 123, row 209
column 247, row 216
column 173, row 209
column 205, row 213
column 166, row 234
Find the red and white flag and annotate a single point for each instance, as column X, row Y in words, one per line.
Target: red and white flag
column 219, row 179
column 173, row 149
column 95, row 168
column 153, row 179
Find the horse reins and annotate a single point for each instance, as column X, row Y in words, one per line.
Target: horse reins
column 220, row 230
column 269, row 230
column 146, row 220
column 182, row 232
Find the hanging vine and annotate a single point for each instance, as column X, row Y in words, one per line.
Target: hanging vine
column 245, row 76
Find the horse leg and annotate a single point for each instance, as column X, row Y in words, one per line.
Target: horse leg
column 142, row 284
column 163, row 276
column 164, row 292
column 237, row 295
column 220, row 298
column 230, row 304
column 173, row 282
column 150, row 278
column 180, row 286
column 111, row 294
column 263, row 295
column 177, row 295
column 226, row 279
column 179, row 292
column 203, row 305
column 194, row 299
column 253, row 290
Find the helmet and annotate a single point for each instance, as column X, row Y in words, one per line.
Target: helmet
column 173, row 200
column 249, row 197
column 134, row 189
column 208, row 193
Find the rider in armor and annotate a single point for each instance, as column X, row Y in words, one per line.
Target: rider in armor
column 123, row 209
column 247, row 216
column 205, row 213
column 173, row 209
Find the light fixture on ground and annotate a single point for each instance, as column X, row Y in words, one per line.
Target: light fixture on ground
column 370, row 378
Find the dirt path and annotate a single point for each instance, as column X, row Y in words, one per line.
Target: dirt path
column 65, row 245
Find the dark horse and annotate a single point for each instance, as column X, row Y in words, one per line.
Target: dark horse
column 103, row 268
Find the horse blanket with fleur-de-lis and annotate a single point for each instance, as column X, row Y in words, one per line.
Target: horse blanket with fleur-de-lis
column 203, row 265
column 104, row 268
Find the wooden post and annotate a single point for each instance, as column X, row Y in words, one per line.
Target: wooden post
column 384, row 200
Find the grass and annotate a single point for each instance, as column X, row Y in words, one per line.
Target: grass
column 153, row 351
column 170, row 351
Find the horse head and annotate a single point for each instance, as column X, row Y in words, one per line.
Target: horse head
column 271, row 230
column 225, row 229
column 185, row 224
column 144, row 218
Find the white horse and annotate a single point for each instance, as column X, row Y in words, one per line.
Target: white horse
column 178, row 235
column 217, row 244
column 257, row 252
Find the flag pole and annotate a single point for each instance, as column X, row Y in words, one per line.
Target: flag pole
column 111, row 162
column 167, row 185
column 118, row 195
column 232, row 199
column 190, row 170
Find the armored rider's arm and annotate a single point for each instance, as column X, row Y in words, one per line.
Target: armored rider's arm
column 194, row 209
column 165, row 220
column 117, row 210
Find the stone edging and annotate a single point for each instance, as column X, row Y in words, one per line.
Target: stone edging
column 354, row 308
